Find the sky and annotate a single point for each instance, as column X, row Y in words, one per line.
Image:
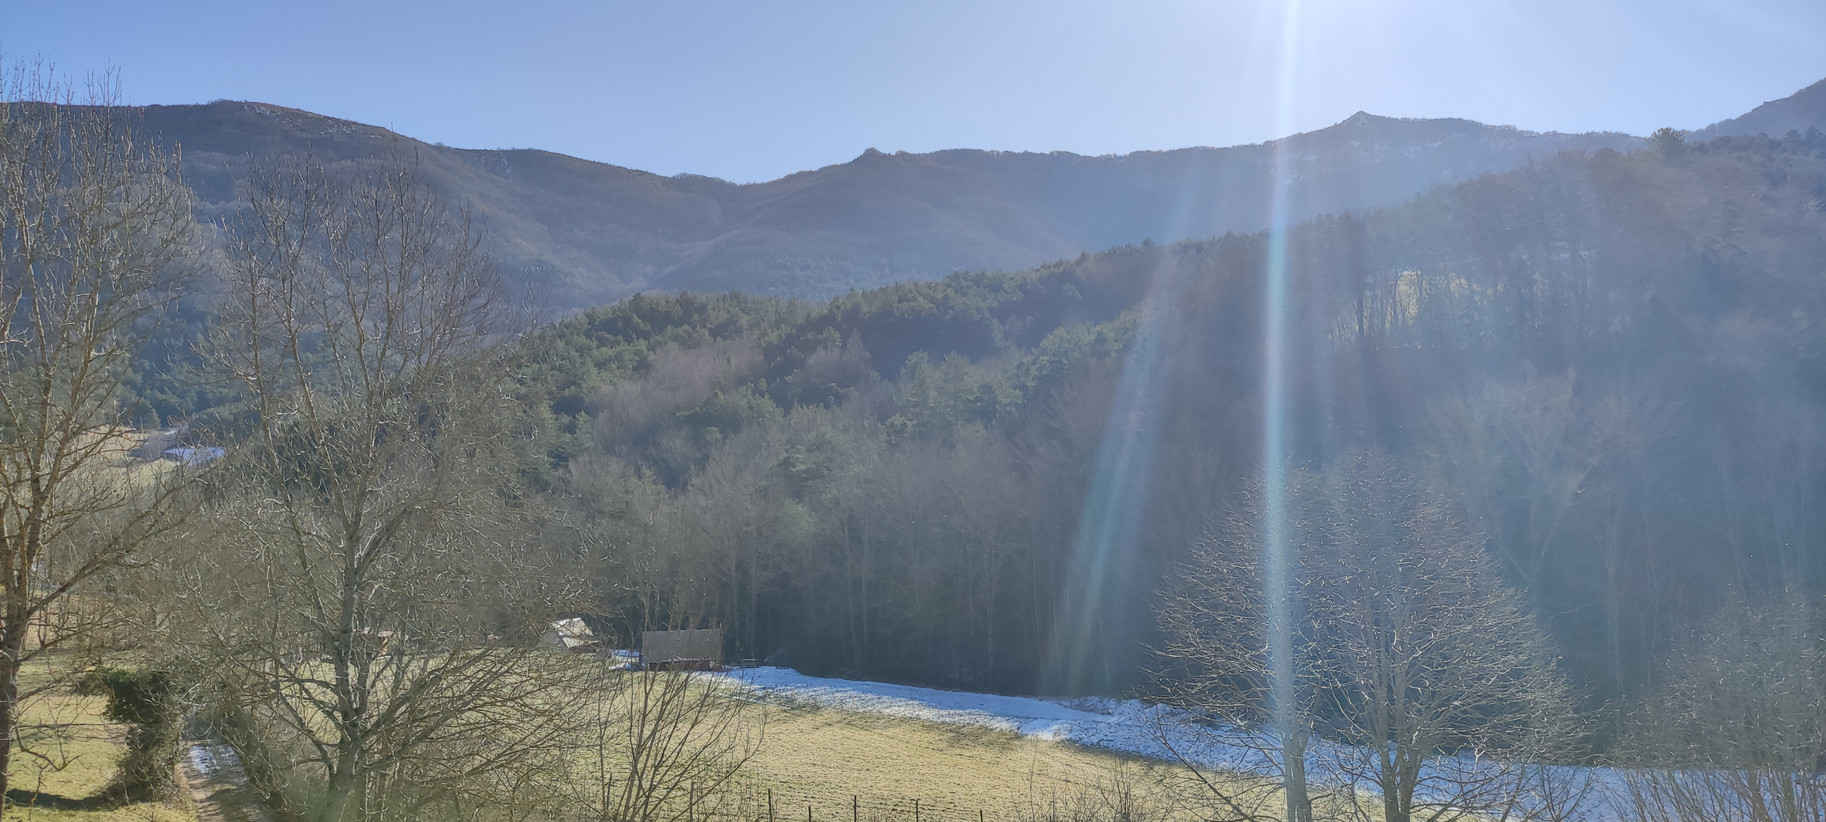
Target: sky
column 754, row 90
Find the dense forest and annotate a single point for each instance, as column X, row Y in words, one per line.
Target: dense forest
column 1616, row 362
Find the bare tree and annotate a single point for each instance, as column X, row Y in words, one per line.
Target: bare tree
column 94, row 228
column 1218, row 626
column 1416, row 673
column 1739, row 732
column 1437, row 679
column 662, row 746
column 369, row 608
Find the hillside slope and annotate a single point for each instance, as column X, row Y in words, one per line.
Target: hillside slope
column 578, row 233
column 1797, row 112
column 1613, row 360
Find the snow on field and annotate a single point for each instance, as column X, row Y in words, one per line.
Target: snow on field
column 1123, row 725
column 1127, row 726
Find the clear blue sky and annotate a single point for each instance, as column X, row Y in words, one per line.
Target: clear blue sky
column 752, row 90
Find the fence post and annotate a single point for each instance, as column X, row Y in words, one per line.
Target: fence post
column 855, row 814
column 916, row 809
column 808, row 812
column 691, row 803
column 770, row 805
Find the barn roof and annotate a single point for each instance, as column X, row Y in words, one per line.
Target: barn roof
column 572, row 633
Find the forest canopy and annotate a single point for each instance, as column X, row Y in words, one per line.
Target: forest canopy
column 1613, row 361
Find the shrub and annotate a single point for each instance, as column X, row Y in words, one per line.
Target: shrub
column 144, row 700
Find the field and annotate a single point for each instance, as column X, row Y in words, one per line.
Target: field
column 825, row 758
column 877, row 754
column 812, row 756
column 79, row 750
column 832, row 741
column 76, row 746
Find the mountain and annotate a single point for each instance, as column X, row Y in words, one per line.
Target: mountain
column 579, row 233
column 1797, row 112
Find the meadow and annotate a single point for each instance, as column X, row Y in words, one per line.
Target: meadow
column 65, row 766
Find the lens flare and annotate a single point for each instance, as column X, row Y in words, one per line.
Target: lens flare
column 1277, row 551
column 1109, row 521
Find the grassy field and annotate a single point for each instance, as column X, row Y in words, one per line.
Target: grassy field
column 811, row 757
column 820, row 758
column 78, row 750
column 123, row 458
column 76, row 747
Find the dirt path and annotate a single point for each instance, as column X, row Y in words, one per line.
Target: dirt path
column 217, row 785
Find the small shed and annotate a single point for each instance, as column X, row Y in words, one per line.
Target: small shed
column 690, row 649
column 571, row 635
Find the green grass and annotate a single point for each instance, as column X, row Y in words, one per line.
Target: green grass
column 77, row 749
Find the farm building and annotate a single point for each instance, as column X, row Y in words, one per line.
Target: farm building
column 152, row 444
column 691, row 649
column 571, row 635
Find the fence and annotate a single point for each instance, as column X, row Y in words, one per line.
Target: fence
column 786, row 805
column 754, row 802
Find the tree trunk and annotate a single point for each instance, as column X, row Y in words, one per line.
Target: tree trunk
column 336, row 795
column 1392, row 811
column 343, row 782
column 12, row 645
column 1293, row 766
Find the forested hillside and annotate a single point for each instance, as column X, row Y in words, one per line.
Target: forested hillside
column 1614, row 360
column 1798, row 112
column 568, row 234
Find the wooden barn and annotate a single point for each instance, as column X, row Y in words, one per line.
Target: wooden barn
column 692, row 649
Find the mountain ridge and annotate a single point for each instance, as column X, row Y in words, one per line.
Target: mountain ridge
column 1798, row 112
column 1356, row 119
column 577, row 232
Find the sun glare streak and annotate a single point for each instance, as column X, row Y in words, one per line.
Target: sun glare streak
column 1110, row 518
column 1274, row 390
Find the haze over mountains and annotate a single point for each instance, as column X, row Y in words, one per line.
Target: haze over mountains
column 577, row 233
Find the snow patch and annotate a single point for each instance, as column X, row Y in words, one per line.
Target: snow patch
column 213, row 760
column 1127, row 726
column 1122, row 725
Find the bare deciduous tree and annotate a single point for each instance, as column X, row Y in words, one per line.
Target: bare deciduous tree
column 94, row 228
column 370, row 605
column 661, row 746
column 1739, row 731
column 1218, row 625
column 1429, row 682
column 1440, row 681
